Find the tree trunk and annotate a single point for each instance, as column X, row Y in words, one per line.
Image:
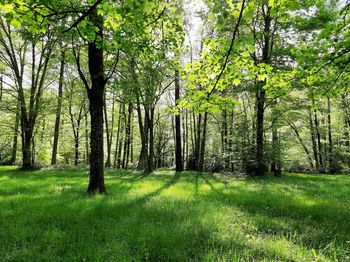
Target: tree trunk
column 276, row 148
column 95, row 95
column 26, row 145
column 296, row 132
column 151, row 139
column 186, row 137
column 319, row 143
column 266, row 47
column 58, row 111
column 117, row 153
column 108, row 161
column 15, row 136
column 127, row 138
column 313, row 141
column 346, row 112
column 143, row 158
column 331, row 167
column 178, row 153
column 76, row 150
column 132, row 140
column 224, row 139
column 197, row 143
column 260, row 166
column 203, row 143
column 87, row 154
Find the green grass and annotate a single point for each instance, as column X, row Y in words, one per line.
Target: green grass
column 45, row 215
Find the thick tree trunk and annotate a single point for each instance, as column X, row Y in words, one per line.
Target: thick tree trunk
column 261, row 94
column 96, row 183
column 178, row 153
column 95, row 95
column 58, row 111
column 26, row 145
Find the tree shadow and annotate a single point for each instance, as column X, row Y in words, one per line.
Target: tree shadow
column 167, row 185
column 319, row 221
column 99, row 228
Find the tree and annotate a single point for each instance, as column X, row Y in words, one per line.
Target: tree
column 17, row 48
column 178, row 152
column 59, row 109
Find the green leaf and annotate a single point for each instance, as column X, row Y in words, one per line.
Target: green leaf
column 236, row 81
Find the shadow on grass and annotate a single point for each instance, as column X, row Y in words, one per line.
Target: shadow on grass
column 52, row 217
column 319, row 219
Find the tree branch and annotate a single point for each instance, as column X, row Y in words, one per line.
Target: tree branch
column 83, row 16
column 235, row 31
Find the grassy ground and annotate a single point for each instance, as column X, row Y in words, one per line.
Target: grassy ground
column 46, row 216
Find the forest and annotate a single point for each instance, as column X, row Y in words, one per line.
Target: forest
column 174, row 130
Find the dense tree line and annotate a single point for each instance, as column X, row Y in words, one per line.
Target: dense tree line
column 239, row 86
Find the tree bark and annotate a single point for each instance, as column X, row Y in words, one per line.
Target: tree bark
column 87, row 154
column 108, row 158
column 127, row 137
column 58, row 111
column 197, row 143
column 151, row 139
column 261, row 94
column 276, row 147
column 109, row 131
column 313, row 141
column 96, row 97
column 224, row 139
column 178, row 151
column 143, row 127
column 75, row 122
column 117, row 154
column 203, row 143
column 319, row 143
column 331, row 167
column 260, row 165
column 15, row 135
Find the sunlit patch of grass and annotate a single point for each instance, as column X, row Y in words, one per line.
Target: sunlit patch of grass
column 167, row 216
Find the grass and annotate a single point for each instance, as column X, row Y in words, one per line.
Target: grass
column 45, row 215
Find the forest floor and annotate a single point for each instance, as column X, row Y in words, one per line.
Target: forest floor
column 45, row 215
